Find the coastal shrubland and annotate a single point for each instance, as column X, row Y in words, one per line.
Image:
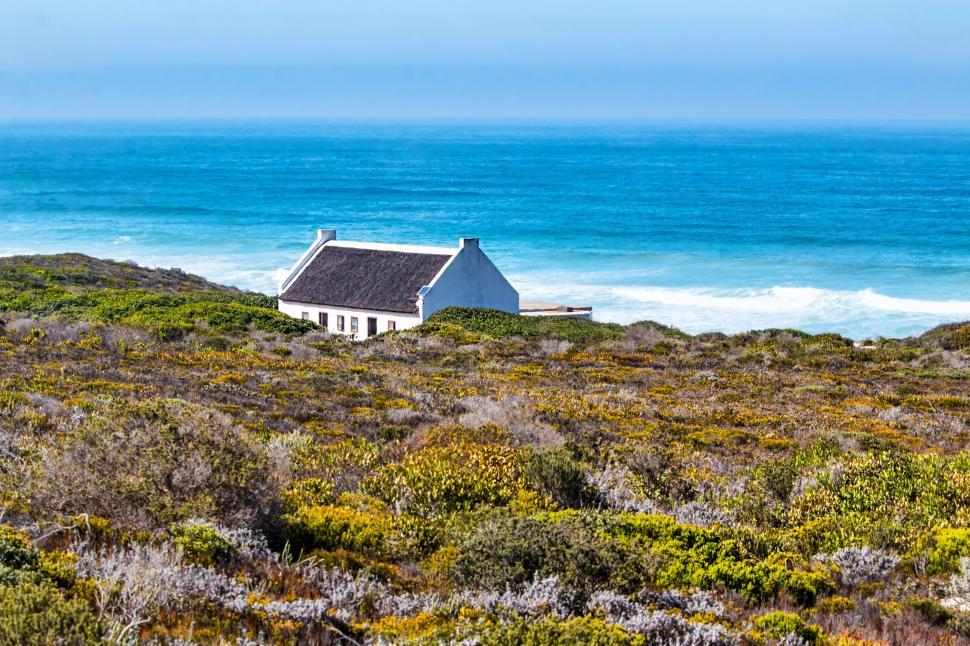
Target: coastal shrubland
column 494, row 324
column 181, row 463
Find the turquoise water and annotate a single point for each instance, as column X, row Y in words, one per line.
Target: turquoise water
column 863, row 231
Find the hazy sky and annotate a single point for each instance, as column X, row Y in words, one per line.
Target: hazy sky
column 689, row 59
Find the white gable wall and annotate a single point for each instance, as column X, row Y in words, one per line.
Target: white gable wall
column 469, row 280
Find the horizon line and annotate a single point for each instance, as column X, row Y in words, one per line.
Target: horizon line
column 485, row 120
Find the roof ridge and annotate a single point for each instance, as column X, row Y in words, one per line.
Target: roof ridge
column 387, row 246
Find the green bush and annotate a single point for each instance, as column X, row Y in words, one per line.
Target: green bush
column 772, row 482
column 200, row 542
column 887, row 500
column 938, row 615
column 513, row 550
column 946, row 549
column 500, row 325
column 170, row 316
column 442, row 480
column 691, row 556
column 630, row 551
column 369, row 531
column 450, row 332
column 21, row 562
column 559, row 477
column 577, row 631
column 16, row 552
column 781, row 624
column 307, row 492
column 36, row 613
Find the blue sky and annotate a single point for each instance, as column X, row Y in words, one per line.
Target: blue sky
column 385, row 59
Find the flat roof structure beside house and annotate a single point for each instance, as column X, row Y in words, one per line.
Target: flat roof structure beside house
column 537, row 308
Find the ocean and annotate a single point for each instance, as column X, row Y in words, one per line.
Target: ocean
column 863, row 231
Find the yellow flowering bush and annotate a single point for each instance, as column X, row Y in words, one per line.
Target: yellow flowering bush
column 441, row 480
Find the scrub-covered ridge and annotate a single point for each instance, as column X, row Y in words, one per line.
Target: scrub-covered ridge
column 180, row 463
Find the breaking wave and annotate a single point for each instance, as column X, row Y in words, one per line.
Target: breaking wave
column 858, row 313
column 788, row 299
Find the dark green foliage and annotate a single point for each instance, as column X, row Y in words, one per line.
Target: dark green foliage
column 513, row 550
column 778, row 478
column 172, row 314
column 16, row 552
column 770, row 489
column 930, row 609
column 772, row 482
column 594, row 551
column 36, row 613
column 170, row 302
column 558, row 476
column 500, row 325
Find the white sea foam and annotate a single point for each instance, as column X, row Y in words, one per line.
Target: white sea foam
column 774, row 299
column 918, row 306
column 789, row 299
column 856, row 313
column 121, row 239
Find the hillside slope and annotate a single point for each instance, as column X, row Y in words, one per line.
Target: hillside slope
column 180, row 461
column 79, row 272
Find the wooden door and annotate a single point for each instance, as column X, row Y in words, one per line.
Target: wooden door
column 371, row 326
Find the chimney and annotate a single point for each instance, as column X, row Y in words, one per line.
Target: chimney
column 326, row 235
column 468, row 242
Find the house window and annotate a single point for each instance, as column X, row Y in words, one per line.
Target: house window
column 353, row 325
column 340, row 323
column 323, row 319
column 306, row 316
column 391, row 325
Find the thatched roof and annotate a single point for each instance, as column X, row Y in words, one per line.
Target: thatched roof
column 370, row 279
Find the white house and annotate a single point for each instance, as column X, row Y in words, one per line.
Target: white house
column 365, row 288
